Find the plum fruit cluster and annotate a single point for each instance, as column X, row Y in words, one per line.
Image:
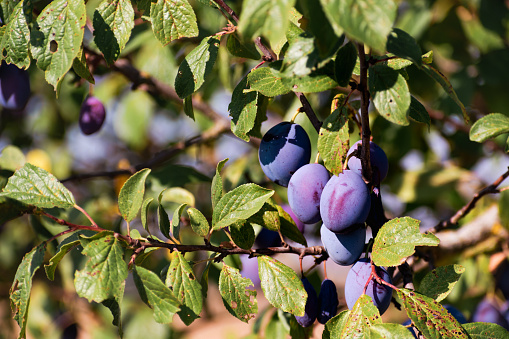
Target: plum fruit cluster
column 14, row 87
column 92, row 115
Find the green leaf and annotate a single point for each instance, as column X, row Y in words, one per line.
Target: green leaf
column 199, row 223
column 239, row 204
column 242, row 234
column 182, row 281
column 397, row 239
column 188, row 106
column 489, row 127
column 14, row 43
column 34, row 186
column 175, row 221
column 438, row 283
column 265, row 17
column 429, row 316
column 446, row 85
column 388, row 331
column 11, row 158
column 268, row 216
column 57, row 37
column 266, row 81
column 240, row 48
column 156, row 295
column 334, row 327
column 196, row 66
column 301, row 56
column 288, row 227
column 344, row 64
column 144, row 213
column 22, row 285
column 176, row 175
column 503, row 211
column 105, row 271
column 63, row 248
column 281, row 286
column 217, row 183
column 243, row 109
column 334, row 140
column 390, row 93
column 364, row 314
column 366, row 21
column 130, row 197
column 79, row 65
column 113, row 23
column 173, row 19
column 163, row 220
column 418, row 112
column 317, row 81
column 485, row 330
column 238, row 299
column 113, row 304
column 402, row 44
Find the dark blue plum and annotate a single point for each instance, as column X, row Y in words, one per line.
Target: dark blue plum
column 487, row 312
column 343, row 248
column 345, row 202
column 304, row 192
column 376, row 217
column 456, row 313
column 311, row 308
column 283, row 150
column 92, row 115
column 327, row 301
column 267, row 238
column 378, row 160
column 356, row 280
column 502, row 278
column 14, row 87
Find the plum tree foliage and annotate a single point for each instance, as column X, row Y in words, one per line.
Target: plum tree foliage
column 97, row 214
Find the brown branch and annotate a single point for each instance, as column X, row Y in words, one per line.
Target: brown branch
column 367, row 172
column 309, row 111
column 471, row 204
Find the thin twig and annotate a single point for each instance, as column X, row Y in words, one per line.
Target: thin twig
column 366, row 132
column 309, row 111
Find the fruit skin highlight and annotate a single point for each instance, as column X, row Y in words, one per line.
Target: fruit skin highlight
column 14, row 87
column 283, row 150
column 311, row 309
column 343, row 248
column 356, row 280
column 345, row 202
column 377, row 158
column 92, row 115
column 304, row 192
column 327, row 301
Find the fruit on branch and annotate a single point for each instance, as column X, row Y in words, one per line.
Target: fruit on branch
column 14, row 87
column 488, row 312
column 92, row 115
column 345, row 202
column 304, row 192
column 311, row 308
column 378, row 160
column 283, row 150
column 376, row 217
column 343, row 248
column 356, row 280
column 327, row 301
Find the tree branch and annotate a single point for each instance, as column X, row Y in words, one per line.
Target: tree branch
column 367, row 172
column 309, row 111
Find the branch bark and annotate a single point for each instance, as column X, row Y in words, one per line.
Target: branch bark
column 367, row 172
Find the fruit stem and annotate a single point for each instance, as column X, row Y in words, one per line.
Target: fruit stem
column 325, row 269
column 299, row 110
column 317, row 157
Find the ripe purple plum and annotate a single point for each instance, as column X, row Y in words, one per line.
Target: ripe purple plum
column 92, row 115
column 356, row 280
column 345, row 202
column 14, row 87
column 250, row 269
column 327, row 301
column 283, row 150
column 343, row 248
column 300, row 225
column 311, row 308
column 378, row 160
column 304, row 192
column 487, row 312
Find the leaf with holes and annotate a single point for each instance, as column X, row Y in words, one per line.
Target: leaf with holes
column 113, row 23
column 334, row 140
column 156, row 295
column 489, row 127
column 182, row 281
column 281, row 286
column 22, row 285
column 196, row 67
column 105, row 270
column 173, row 19
column 130, row 197
column 239, row 204
column 429, row 316
column 237, row 298
column 14, row 43
column 57, row 37
column 390, row 92
column 397, row 239
column 438, row 283
column 34, row 186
